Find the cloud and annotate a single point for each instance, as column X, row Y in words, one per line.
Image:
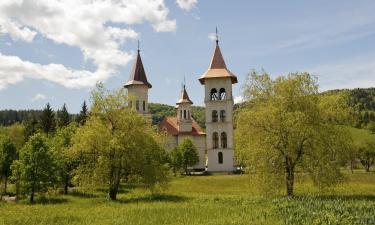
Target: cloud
column 97, row 28
column 186, row 4
column 38, row 97
column 212, row 36
column 350, row 73
column 238, row 99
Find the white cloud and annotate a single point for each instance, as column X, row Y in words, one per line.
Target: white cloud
column 212, row 36
column 97, row 28
column 351, row 73
column 38, row 97
column 238, row 99
column 186, row 4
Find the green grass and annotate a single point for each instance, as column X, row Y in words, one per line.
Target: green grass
column 219, row 199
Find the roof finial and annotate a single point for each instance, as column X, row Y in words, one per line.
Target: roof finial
column 217, row 37
column 138, row 47
column 184, row 82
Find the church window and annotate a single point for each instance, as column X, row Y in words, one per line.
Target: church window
column 223, row 138
column 214, row 96
column 189, row 114
column 214, row 116
column 185, row 114
column 215, row 140
column 222, row 115
column 222, row 94
column 220, row 157
column 144, row 105
column 137, row 105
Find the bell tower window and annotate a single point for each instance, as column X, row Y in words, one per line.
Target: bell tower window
column 214, row 116
column 220, row 157
column 214, row 95
column 222, row 94
column 223, row 138
column 137, row 105
column 222, row 115
column 215, row 140
column 144, row 106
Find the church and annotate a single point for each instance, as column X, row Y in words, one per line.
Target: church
column 215, row 144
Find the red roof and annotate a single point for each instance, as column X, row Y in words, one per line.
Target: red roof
column 184, row 98
column 217, row 68
column 169, row 124
column 138, row 74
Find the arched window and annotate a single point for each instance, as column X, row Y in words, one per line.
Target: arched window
column 185, row 114
column 181, row 114
column 222, row 94
column 215, row 140
column 220, row 157
column 144, row 106
column 188, row 114
column 137, row 105
column 222, row 115
column 223, row 138
column 214, row 96
column 214, row 116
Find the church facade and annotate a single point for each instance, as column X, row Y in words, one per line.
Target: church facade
column 215, row 144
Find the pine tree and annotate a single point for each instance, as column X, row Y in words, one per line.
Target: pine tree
column 63, row 119
column 82, row 117
column 47, row 120
column 8, row 155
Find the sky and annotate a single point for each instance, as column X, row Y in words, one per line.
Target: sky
column 56, row 51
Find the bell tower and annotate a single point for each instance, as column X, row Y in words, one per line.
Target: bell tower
column 138, row 86
column 218, row 81
column 183, row 106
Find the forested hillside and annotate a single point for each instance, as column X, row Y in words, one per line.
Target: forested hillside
column 361, row 99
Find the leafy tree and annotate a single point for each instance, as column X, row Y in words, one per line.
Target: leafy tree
column 7, row 155
column 286, row 126
column 189, row 154
column 176, row 160
column 83, row 114
column 47, row 120
column 63, row 118
column 115, row 143
column 367, row 155
column 65, row 164
column 31, row 126
column 35, row 170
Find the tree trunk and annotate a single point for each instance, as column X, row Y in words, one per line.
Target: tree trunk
column 32, row 195
column 66, row 185
column 113, row 192
column 368, row 167
column 5, row 184
column 289, row 180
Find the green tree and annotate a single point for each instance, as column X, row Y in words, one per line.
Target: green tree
column 367, row 155
column 65, row 164
column 286, row 126
column 116, row 142
column 47, row 120
column 35, row 170
column 176, row 160
column 189, row 154
column 7, row 155
column 83, row 114
column 31, row 126
column 63, row 118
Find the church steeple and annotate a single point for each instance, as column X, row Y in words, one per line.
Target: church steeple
column 138, row 74
column 138, row 86
column 184, row 117
column 184, row 97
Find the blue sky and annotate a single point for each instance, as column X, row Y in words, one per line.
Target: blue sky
column 48, row 55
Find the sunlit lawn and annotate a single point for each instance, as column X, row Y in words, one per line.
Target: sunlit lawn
column 218, row 199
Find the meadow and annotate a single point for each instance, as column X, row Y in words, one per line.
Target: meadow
column 215, row 199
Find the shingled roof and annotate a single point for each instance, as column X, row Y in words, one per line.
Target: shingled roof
column 184, row 98
column 217, row 68
column 170, row 125
column 138, row 75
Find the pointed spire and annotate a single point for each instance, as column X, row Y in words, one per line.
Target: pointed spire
column 217, row 68
column 138, row 74
column 184, row 98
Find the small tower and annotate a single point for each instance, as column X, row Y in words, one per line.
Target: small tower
column 138, row 86
column 183, row 106
column 217, row 81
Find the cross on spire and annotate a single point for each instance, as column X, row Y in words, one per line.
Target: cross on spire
column 138, row 47
column 217, row 37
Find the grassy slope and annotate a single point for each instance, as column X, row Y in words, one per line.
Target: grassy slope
column 220, row 199
column 361, row 136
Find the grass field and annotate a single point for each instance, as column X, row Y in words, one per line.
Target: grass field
column 218, row 199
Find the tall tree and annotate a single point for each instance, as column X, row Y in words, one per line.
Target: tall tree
column 35, row 170
column 117, row 142
column 63, row 118
column 176, row 160
column 83, row 114
column 31, row 126
column 60, row 144
column 47, row 120
column 8, row 154
column 367, row 155
column 285, row 125
column 189, row 154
